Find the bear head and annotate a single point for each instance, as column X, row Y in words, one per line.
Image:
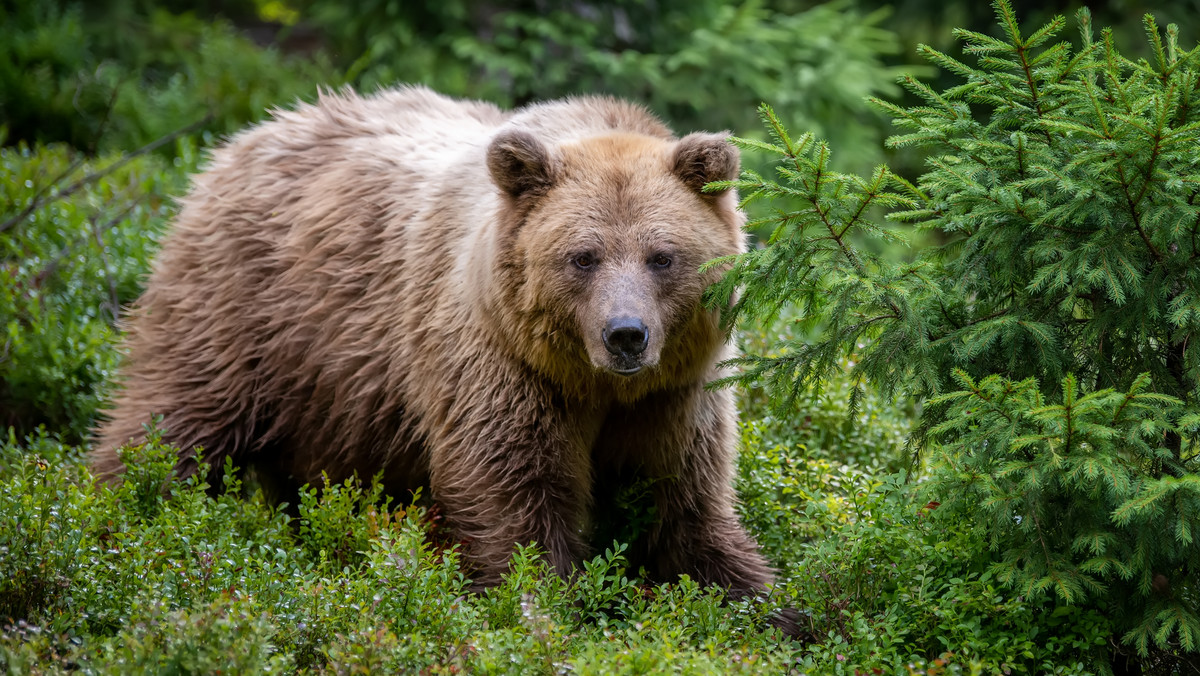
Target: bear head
column 601, row 244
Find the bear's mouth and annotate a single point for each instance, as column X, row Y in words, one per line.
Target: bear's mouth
column 627, row 371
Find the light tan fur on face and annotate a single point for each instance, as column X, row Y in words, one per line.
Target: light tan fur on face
column 385, row 284
column 619, row 201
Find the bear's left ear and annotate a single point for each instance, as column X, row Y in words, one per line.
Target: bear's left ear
column 702, row 158
column 520, row 164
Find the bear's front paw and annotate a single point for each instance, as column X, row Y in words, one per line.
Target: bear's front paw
column 793, row 624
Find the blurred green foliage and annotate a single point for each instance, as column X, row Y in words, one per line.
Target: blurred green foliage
column 109, row 76
column 699, row 63
column 119, row 73
column 839, row 421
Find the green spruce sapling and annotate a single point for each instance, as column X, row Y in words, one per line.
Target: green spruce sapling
column 1051, row 331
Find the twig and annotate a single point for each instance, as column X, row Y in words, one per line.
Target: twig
column 42, row 191
column 112, row 102
column 41, row 199
column 98, row 234
column 71, row 247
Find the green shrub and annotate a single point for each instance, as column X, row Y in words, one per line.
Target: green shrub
column 210, row 580
column 76, row 236
column 44, row 538
column 887, row 580
column 1060, row 296
column 157, row 574
column 839, row 419
column 1074, row 505
column 338, row 521
column 224, row 637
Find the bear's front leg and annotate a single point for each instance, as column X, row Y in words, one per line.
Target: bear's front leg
column 515, row 471
column 683, row 442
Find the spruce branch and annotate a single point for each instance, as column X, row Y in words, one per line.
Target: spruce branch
column 1049, row 334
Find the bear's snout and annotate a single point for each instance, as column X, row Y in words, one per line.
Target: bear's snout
column 626, row 339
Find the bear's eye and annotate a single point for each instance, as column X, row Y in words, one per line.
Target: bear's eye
column 584, row 261
column 661, row 262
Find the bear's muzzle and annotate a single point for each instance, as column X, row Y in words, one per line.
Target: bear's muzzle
column 626, row 339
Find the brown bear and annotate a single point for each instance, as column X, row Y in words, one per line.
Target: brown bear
column 502, row 306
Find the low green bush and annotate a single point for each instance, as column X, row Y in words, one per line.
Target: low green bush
column 840, row 420
column 156, row 575
column 76, row 235
column 887, row 577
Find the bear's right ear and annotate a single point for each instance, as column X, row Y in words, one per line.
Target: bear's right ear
column 520, row 164
column 702, row 158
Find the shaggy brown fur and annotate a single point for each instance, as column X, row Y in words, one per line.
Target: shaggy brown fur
column 504, row 307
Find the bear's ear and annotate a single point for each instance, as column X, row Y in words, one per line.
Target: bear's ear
column 702, row 158
column 520, row 164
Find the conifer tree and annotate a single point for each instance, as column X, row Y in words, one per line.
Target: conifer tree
column 1052, row 330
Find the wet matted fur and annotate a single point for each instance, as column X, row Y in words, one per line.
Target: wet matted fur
column 433, row 289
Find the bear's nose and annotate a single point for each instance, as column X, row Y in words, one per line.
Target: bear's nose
column 626, row 336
